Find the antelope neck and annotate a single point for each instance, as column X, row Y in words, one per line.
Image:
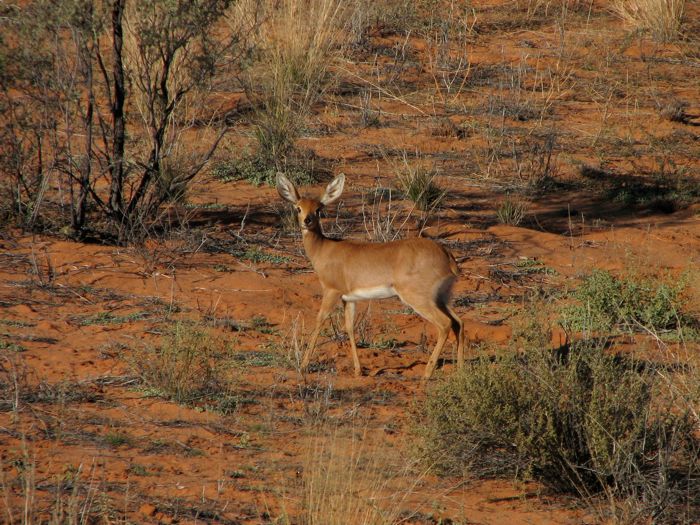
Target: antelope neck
column 313, row 240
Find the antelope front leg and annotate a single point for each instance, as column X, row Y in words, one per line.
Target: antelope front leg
column 330, row 298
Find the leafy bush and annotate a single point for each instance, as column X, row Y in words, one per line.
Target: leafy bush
column 188, row 366
column 578, row 420
column 604, row 301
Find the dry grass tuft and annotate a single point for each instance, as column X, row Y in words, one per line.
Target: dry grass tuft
column 660, row 17
column 511, row 211
column 344, row 478
column 298, row 43
column 188, row 366
column 419, row 184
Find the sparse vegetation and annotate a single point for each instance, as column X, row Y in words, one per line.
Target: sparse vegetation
column 156, row 302
column 662, row 18
column 384, row 220
column 343, row 477
column 256, row 255
column 188, row 366
column 675, row 111
column 298, row 43
column 257, row 170
column 577, row 419
column 511, row 211
column 11, row 346
column 604, row 302
column 419, row 186
column 110, row 318
column 117, row 439
column 78, row 498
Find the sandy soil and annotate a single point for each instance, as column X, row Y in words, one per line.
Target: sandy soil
column 71, row 314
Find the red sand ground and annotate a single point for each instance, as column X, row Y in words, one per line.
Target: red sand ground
column 160, row 461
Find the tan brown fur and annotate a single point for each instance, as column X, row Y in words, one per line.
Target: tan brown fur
column 419, row 271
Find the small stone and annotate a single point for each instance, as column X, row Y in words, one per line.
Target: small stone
column 164, row 518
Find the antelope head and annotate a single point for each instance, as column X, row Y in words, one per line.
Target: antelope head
column 308, row 209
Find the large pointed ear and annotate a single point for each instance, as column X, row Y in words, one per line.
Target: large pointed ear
column 333, row 190
column 286, row 189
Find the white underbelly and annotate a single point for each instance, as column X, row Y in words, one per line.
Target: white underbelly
column 375, row 292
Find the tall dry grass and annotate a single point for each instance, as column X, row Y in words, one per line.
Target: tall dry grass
column 662, row 18
column 354, row 480
column 298, row 43
column 77, row 496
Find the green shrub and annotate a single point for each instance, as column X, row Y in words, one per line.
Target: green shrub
column 604, row 302
column 187, row 366
column 578, row 420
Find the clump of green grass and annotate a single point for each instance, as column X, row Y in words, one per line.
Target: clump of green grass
column 110, row 318
column 418, row 184
column 138, row 470
column 577, row 419
column 205, row 206
column 259, row 358
column 259, row 323
column 383, row 343
column 257, row 169
column 511, row 211
column 13, row 347
column 605, row 302
column 15, row 323
column 118, row 439
column 256, row 255
column 533, row 266
column 189, row 365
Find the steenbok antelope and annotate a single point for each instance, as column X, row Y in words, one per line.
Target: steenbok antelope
column 419, row 271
